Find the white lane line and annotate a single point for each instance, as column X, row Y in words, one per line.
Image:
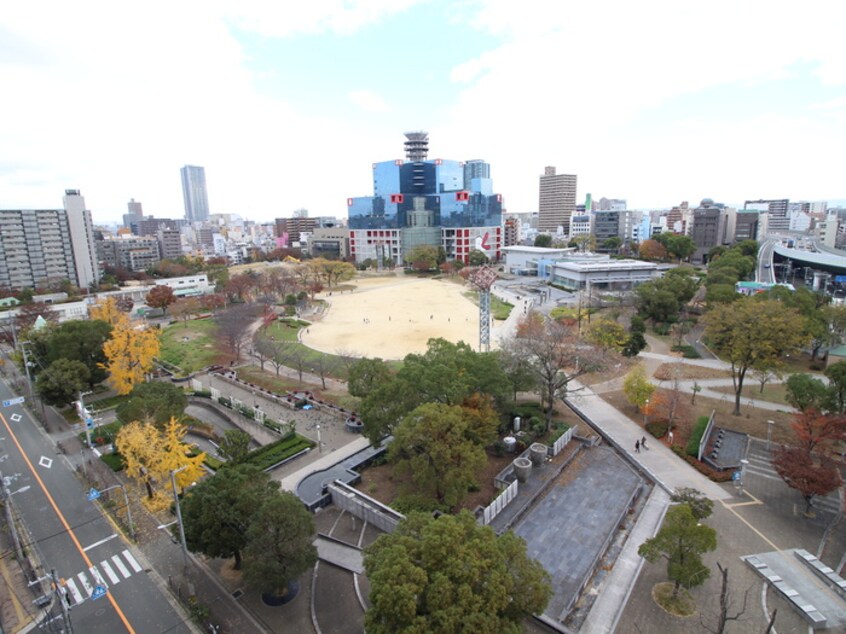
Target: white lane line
column 119, row 564
column 100, row 543
column 131, row 560
column 77, row 597
column 98, row 578
column 109, row 572
column 84, row 581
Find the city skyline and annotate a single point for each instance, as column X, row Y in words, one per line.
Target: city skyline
column 655, row 103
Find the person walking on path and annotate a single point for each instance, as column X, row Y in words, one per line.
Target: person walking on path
column 637, row 446
column 643, row 443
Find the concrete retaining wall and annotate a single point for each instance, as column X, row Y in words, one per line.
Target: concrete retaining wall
column 261, row 434
column 364, row 507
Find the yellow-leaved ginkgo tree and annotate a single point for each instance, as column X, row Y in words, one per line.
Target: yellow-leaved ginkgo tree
column 150, row 455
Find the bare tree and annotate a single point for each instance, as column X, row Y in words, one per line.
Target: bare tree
column 556, row 355
column 727, row 604
column 324, row 364
column 233, row 327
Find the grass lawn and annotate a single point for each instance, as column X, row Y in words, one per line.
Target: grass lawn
column 499, row 309
column 682, row 605
column 688, row 372
column 190, row 348
column 751, row 421
column 773, row 393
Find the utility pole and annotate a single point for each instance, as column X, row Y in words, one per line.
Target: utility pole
column 10, row 518
column 62, row 602
column 179, row 517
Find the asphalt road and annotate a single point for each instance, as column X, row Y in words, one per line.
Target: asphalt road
column 765, row 261
column 72, row 536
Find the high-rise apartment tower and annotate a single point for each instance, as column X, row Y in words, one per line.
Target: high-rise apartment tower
column 557, row 201
column 194, row 193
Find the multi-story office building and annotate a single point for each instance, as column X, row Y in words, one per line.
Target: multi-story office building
column 421, row 201
column 708, row 228
column 150, row 226
column 194, row 193
column 135, row 213
column 557, row 201
column 611, row 224
column 580, row 225
column 610, row 204
column 511, row 231
column 777, row 210
column 329, row 242
column 746, row 225
column 41, row 246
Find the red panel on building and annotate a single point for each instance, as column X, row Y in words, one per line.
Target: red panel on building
column 462, row 196
column 397, row 198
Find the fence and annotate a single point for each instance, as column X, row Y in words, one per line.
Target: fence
column 566, row 437
column 704, row 440
column 501, row 501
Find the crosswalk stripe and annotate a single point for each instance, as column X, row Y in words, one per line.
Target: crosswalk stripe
column 77, row 597
column 98, row 578
column 119, row 565
column 131, row 560
column 109, row 572
column 84, row 581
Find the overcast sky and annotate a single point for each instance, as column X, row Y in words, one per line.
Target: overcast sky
column 287, row 104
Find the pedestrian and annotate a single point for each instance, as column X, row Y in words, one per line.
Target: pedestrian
column 643, row 443
column 637, row 446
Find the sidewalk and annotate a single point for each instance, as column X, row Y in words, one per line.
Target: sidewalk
column 659, row 462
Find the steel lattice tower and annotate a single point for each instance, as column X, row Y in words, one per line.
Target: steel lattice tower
column 483, row 278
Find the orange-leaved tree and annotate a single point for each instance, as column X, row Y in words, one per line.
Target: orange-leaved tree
column 151, row 454
column 130, row 353
column 107, row 310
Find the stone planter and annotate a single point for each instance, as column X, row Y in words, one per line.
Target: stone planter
column 275, row 600
column 522, row 468
column 538, row 453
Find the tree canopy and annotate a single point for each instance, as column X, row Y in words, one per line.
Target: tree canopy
column 76, row 340
column 366, row 375
column 543, row 240
column 451, row 575
column 154, row 402
column 750, row 333
column 62, row 381
column 130, row 353
column 681, row 542
column 160, row 296
column 279, row 544
column 217, row 512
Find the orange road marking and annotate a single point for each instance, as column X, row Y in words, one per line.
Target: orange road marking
column 65, row 522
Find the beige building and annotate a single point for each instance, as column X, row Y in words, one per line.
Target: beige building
column 557, row 201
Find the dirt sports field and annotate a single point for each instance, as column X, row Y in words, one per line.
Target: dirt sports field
column 390, row 317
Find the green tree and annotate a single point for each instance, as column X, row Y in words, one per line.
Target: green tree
column 235, row 446
column 805, row 392
column 725, row 275
column 607, row 333
column 700, row 506
column 656, row 303
column 154, row 402
column 61, row 382
column 750, row 333
column 77, row 340
column 543, row 240
column 681, row 542
column 366, row 375
column 836, row 374
column 385, row 406
column 451, row 575
column 477, row 258
column 612, row 244
column 279, row 543
column 433, row 446
column 721, row 294
column 742, row 265
column 217, row 512
column 679, row 246
column 423, row 258
column 749, row 248
column 637, row 388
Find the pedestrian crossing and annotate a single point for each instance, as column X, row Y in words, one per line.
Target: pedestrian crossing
column 116, row 568
column 761, row 466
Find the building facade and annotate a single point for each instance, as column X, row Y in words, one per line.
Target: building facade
column 557, row 201
column 419, row 201
column 708, row 228
column 194, row 193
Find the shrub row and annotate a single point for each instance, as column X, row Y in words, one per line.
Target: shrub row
column 696, row 435
column 713, row 474
column 688, row 352
column 658, row 429
column 278, row 451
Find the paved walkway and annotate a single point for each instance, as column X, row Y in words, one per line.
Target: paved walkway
column 667, row 469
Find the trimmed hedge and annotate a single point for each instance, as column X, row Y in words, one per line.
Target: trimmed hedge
column 278, row 451
column 712, row 474
column 688, row 352
column 696, row 436
column 114, row 460
column 658, row 429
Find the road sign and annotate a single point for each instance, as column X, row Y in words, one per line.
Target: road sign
column 14, row 401
column 99, row 591
column 736, row 476
column 93, row 494
column 89, row 423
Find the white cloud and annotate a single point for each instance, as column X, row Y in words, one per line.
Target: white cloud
column 368, row 100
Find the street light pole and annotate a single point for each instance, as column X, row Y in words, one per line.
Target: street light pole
column 770, row 424
column 179, row 517
column 128, row 510
column 646, row 413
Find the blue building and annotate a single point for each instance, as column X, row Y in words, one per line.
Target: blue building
column 419, row 201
